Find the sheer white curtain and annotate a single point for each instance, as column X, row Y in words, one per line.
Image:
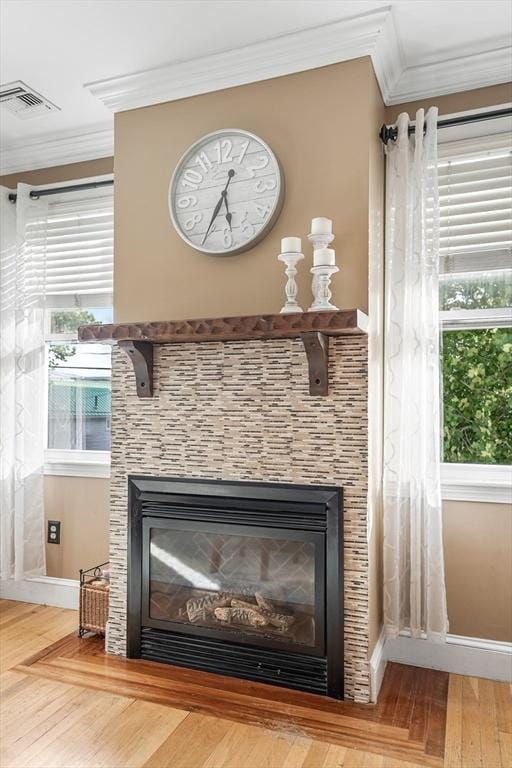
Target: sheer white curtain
column 22, row 387
column 414, row 587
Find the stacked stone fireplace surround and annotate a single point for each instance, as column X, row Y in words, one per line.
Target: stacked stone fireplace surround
column 242, row 411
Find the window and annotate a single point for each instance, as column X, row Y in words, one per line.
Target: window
column 475, row 191
column 78, row 385
column 76, row 240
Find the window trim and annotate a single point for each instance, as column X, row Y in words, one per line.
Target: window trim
column 473, row 319
column 76, row 463
column 477, row 482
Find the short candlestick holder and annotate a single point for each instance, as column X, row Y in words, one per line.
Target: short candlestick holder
column 291, row 260
column 321, row 290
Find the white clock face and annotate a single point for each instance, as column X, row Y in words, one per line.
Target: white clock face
column 226, row 192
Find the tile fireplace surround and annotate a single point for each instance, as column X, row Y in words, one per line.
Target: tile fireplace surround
column 241, row 410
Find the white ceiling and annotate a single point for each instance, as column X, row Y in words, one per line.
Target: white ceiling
column 57, row 46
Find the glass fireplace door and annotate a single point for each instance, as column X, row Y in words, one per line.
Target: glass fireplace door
column 263, row 586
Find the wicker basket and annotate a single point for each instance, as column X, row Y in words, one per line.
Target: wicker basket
column 94, row 594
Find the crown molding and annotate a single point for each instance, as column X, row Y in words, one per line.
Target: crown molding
column 368, row 34
column 462, row 73
column 387, row 58
column 59, row 148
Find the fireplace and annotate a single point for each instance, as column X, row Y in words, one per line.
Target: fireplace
column 238, row 578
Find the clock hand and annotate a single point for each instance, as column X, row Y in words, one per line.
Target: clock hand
column 214, row 216
column 229, row 215
column 217, row 208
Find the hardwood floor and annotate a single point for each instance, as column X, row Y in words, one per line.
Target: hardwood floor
column 70, row 705
column 408, row 723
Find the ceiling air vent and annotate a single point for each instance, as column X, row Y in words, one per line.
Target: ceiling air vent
column 23, row 101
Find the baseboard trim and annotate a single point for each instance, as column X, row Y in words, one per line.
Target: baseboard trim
column 42, row 590
column 378, row 663
column 460, row 655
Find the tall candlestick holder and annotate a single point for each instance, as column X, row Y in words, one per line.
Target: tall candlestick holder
column 321, row 290
column 291, row 260
column 322, row 240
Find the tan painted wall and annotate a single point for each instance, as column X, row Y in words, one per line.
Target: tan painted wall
column 317, row 124
column 82, row 506
column 478, row 562
column 58, row 173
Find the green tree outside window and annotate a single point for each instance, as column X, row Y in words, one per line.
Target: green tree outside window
column 477, row 374
column 66, row 321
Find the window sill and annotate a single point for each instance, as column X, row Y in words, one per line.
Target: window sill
column 77, row 463
column 476, row 482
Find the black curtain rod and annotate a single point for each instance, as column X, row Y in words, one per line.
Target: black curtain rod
column 37, row 193
column 390, row 132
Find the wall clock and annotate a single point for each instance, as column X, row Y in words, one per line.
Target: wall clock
column 226, row 192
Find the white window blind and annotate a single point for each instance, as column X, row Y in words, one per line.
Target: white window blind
column 475, row 196
column 75, row 241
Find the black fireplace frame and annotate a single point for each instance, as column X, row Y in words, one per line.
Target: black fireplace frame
column 305, row 512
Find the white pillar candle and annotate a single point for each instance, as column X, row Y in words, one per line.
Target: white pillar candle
column 291, row 245
column 324, row 257
column 321, row 226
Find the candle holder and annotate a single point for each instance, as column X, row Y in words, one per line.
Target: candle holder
column 318, row 241
column 320, row 287
column 291, row 260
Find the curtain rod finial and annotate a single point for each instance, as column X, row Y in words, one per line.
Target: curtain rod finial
column 387, row 133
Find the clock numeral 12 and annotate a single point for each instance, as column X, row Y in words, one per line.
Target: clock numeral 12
column 223, row 149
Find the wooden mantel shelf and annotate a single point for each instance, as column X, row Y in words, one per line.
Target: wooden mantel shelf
column 314, row 328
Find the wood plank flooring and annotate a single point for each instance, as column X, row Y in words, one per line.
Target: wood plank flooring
column 384, row 728
column 71, row 705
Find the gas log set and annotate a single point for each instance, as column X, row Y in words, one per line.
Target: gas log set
column 226, row 608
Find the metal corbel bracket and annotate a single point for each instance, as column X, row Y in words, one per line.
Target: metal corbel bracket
column 316, row 345
column 141, row 355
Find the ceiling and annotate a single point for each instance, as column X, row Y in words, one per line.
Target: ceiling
column 56, row 47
